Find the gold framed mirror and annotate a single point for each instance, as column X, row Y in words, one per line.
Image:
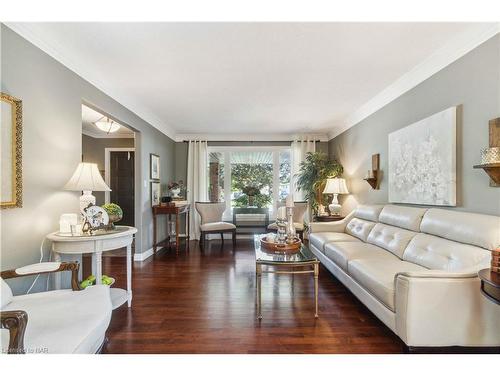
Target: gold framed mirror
column 11, row 127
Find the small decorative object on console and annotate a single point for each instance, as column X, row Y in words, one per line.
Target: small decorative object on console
column 95, row 218
column 66, row 221
column 115, row 214
column 177, row 189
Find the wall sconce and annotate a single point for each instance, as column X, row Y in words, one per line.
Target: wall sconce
column 374, row 175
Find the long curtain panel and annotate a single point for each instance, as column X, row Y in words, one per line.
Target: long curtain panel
column 197, row 189
column 299, row 150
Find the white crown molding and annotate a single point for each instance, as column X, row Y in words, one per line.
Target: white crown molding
column 104, row 135
column 29, row 33
column 250, row 137
column 443, row 57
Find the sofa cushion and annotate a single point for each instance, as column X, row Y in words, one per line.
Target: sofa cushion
column 63, row 321
column 218, row 225
column 359, row 228
column 320, row 239
column 465, row 227
column 403, row 217
column 343, row 252
column 368, row 212
column 377, row 276
column 5, row 293
column 391, row 238
column 441, row 254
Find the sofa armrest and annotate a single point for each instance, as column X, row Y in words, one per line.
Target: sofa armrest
column 439, row 274
column 333, row 226
column 15, row 321
column 439, row 308
column 45, row 267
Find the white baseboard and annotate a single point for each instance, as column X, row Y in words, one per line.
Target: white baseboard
column 139, row 257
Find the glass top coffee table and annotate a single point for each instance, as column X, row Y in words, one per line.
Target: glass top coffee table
column 301, row 262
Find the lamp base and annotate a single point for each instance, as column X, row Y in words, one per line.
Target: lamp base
column 335, row 206
column 86, row 199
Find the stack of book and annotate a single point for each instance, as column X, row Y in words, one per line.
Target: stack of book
column 495, row 260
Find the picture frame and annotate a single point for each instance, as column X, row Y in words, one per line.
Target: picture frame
column 11, row 125
column 154, row 167
column 155, row 193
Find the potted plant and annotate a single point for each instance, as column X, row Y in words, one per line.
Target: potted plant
column 251, row 192
column 115, row 213
column 312, row 175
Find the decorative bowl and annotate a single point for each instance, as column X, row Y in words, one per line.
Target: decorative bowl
column 275, row 247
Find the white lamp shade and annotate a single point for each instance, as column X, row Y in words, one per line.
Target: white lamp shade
column 86, row 178
column 335, row 186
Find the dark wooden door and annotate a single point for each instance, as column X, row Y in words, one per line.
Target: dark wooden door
column 122, row 183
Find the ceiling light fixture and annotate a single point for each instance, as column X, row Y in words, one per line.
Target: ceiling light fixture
column 107, row 125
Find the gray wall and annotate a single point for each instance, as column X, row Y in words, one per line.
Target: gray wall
column 52, row 96
column 93, row 151
column 473, row 82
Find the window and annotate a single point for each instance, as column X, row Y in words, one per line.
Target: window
column 249, row 176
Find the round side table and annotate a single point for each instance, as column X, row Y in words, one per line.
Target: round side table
column 121, row 236
column 327, row 218
column 490, row 284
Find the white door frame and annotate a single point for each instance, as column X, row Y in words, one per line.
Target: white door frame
column 107, row 157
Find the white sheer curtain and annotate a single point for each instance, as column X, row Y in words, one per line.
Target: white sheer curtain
column 299, row 150
column 197, row 190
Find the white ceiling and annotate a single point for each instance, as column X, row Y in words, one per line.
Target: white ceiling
column 244, row 78
column 89, row 116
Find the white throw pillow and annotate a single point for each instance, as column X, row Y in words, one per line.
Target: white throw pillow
column 5, row 294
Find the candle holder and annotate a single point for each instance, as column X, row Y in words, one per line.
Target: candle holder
column 290, row 227
column 281, row 232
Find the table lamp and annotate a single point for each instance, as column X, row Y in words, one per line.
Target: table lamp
column 86, row 178
column 335, row 186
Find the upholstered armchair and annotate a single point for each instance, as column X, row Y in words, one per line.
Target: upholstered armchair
column 211, row 221
column 299, row 211
column 57, row 321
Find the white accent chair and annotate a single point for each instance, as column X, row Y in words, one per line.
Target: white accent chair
column 59, row 321
column 299, row 211
column 211, row 221
column 416, row 270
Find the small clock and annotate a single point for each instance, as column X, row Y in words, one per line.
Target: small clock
column 95, row 218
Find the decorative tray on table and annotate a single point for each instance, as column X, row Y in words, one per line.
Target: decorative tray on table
column 275, row 247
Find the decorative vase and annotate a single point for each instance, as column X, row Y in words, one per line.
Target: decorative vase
column 113, row 218
column 176, row 192
column 251, row 199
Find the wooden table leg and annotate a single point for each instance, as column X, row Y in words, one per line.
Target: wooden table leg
column 177, row 233
column 258, row 273
column 129, row 274
column 187, row 230
column 316, row 274
column 154, row 233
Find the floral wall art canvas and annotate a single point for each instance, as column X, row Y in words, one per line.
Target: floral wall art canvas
column 422, row 161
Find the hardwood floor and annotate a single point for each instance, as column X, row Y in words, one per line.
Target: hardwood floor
column 204, row 302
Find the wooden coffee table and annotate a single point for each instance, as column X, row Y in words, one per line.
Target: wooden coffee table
column 302, row 262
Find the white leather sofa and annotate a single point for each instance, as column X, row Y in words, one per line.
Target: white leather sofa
column 57, row 321
column 416, row 270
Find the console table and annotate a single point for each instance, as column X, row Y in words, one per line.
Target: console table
column 96, row 244
column 169, row 211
